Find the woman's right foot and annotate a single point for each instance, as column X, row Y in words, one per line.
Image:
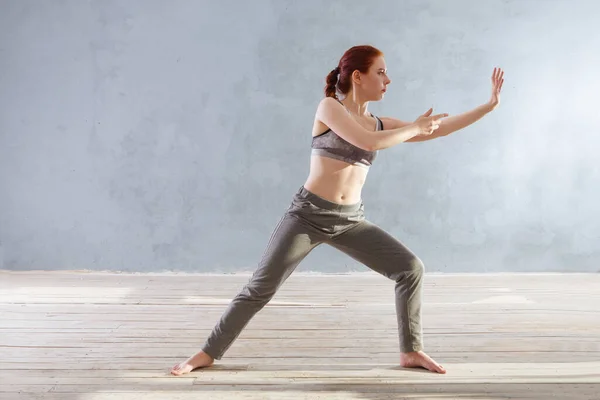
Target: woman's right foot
column 198, row 360
column 418, row 359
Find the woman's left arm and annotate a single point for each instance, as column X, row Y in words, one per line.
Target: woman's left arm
column 460, row 121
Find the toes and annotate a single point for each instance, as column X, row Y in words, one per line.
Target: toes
column 433, row 366
column 438, row 368
column 176, row 370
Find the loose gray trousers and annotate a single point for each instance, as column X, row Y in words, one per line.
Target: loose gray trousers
column 310, row 221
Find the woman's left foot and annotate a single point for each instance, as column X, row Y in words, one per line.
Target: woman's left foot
column 198, row 360
column 417, row 359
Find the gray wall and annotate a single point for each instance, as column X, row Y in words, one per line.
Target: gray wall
column 171, row 135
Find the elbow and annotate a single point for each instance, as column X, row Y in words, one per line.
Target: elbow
column 371, row 141
column 377, row 143
column 368, row 141
column 370, row 146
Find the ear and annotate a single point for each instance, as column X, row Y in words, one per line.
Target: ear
column 356, row 76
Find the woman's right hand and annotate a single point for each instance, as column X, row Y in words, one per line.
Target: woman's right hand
column 428, row 123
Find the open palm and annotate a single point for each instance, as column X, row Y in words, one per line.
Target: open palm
column 497, row 81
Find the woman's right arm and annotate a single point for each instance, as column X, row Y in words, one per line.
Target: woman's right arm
column 334, row 115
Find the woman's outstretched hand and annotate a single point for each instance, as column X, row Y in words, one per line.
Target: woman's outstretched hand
column 497, row 81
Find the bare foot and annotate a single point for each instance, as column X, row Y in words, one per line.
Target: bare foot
column 198, row 360
column 417, row 359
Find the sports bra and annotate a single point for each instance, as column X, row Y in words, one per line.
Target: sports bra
column 329, row 144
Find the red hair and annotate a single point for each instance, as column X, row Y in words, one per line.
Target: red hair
column 355, row 58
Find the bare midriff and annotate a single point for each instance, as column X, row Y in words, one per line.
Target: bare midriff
column 335, row 180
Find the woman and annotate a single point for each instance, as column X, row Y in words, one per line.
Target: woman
column 328, row 208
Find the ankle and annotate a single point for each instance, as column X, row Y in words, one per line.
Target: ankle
column 412, row 350
column 206, row 356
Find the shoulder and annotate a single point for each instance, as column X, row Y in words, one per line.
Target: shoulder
column 393, row 123
column 330, row 108
column 329, row 103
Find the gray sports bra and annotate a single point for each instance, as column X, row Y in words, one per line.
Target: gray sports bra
column 329, row 144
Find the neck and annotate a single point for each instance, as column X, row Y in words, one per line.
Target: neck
column 355, row 104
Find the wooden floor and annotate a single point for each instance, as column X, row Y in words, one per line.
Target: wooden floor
column 84, row 336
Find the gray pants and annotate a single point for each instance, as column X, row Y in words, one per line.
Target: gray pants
column 309, row 221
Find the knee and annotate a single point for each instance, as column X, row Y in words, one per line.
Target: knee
column 412, row 269
column 258, row 294
column 416, row 266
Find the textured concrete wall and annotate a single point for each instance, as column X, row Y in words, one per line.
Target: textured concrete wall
column 171, row 135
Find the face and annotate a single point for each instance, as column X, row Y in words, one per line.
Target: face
column 374, row 83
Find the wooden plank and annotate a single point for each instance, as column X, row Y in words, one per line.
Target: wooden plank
column 472, row 392
column 106, row 343
column 152, row 362
column 461, row 372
